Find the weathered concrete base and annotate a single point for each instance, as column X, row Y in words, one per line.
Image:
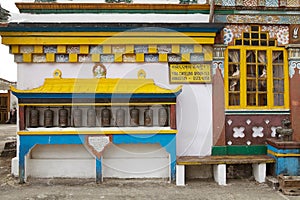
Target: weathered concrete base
column 15, row 166
column 259, row 172
column 220, row 174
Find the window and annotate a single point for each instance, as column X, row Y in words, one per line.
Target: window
column 256, row 73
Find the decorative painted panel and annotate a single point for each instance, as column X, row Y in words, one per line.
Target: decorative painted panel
column 293, row 64
column 141, row 48
column 73, row 49
column 96, row 49
column 292, row 3
column 107, row 58
column 272, row 3
column 39, row 58
column 85, row 58
column 186, row 48
column 197, row 57
column 18, row 58
column 164, row 48
column 118, row 49
column 251, row 129
column 61, row 58
column 50, row 49
column 228, row 3
column 129, row 58
column 281, row 33
column 26, row 49
column 151, row 57
column 250, row 3
column 174, row 58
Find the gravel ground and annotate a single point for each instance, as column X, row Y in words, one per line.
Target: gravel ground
column 75, row 189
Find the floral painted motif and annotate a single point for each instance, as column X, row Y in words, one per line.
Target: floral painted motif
column 99, row 70
column 250, row 3
column 268, row 19
column 39, row 58
column 85, row 58
column 281, row 33
column 228, row 35
column 197, row 57
column 151, row 57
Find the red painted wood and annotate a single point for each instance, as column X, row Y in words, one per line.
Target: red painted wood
column 173, row 116
column 295, row 104
column 22, row 118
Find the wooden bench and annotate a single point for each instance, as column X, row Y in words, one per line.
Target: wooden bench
column 219, row 166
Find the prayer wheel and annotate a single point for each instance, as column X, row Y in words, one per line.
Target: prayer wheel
column 105, row 117
column 34, row 118
column 63, row 117
column 163, row 117
column 134, row 117
column 48, row 118
column 148, row 117
column 91, row 117
column 77, row 117
column 120, row 117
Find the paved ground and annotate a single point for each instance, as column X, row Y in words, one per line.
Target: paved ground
column 126, row 189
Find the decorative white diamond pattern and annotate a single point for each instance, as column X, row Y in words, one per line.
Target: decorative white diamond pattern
column 229, row 122
column 248, row 121
column 267, row 121
column 248, row 142
column 229, row 142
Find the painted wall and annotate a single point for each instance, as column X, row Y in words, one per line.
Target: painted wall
column 64, row 161
column 194, row 108
column 134, row 1
column 136, row 161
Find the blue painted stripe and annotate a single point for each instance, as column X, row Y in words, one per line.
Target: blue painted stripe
column 283, row 151
column 91, row 95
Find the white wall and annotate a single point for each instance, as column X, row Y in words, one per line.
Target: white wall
column 136, row 161
column 64, row 161
column 194, row 108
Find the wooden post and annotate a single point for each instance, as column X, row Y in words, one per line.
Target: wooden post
column 173, row 116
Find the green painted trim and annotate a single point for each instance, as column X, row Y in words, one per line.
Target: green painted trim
column 48, row 11
column 254, row 112
column 239, row 150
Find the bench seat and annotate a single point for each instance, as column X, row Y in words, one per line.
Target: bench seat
column 219, row 166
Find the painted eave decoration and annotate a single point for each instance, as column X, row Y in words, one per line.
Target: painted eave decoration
column 38, row 8
column 96, row 86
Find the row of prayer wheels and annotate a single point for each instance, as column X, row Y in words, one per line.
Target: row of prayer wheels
column 93, row 115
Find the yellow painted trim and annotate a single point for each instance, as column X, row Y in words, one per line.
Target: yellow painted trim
column 152, row 48
column 73, row 57
column 97, row 104
column 140, row 57
column 283, row 154
column 198, row 48
column 163, row 57
column 104, row 132
column 175, row 48
column 185, row 57
column 129, row 48
column 38, row 49
column 84, row 49
column 61, row 49
column 104, row 40
column 27, row 57
column 50, row 57
column 208, row 56
column 14, row 49
column 118, row 34
column 106, row 49
column 118, row 57
column 96, row 57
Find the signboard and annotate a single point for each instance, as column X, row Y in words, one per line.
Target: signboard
column 190, row 73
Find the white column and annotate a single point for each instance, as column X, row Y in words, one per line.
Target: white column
column 259, row 172
column 180, row 175
column 220, row 174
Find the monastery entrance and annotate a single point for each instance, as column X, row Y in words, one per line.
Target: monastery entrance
column 4, row 107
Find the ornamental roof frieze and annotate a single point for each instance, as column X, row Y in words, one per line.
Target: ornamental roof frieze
column 258, row 19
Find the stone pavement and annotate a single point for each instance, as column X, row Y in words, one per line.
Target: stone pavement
column 7, row 134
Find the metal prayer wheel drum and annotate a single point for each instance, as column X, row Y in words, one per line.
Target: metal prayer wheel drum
column 63, row 117
column 48, row 118
column 148, row 117
column 163, row 117
column 34, row 118
column 134, row 117
column 77, row 117
column 91, row 117
column 105, row 117
column 120, row 117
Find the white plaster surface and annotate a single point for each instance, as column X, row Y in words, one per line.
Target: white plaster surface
column 259, row 172
column 180, row 175
column 65, row 161
column 135, row 161
column 220, row 174
column 194, row 104
column 15, row 166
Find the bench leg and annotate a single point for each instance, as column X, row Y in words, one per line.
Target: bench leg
column 180, row 175
column 259, row 172
column 220, row 174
